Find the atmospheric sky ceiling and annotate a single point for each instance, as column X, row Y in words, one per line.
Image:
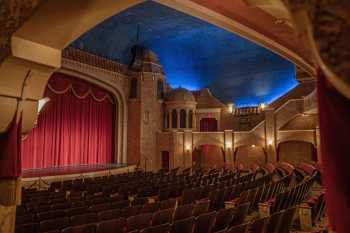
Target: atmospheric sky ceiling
column 194, row 54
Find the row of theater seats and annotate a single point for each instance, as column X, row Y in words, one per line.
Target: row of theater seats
column 317, row 205
column 262, row 193
column 56, row 200
column 112, row 202
column 225, row 220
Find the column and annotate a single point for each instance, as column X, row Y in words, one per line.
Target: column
column 10, row 197
column 194, row 119
column 170, row 118
column 187, row 126
column 270, row 135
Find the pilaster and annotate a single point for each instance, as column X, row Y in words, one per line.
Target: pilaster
column 270, row 135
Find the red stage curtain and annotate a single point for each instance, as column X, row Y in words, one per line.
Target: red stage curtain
column 334, row 117
column 10, row 150
column 76, row 127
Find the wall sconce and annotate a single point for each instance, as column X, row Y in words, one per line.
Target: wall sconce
column 228, row 146
column 188, row 148
column 253, row 145
column 269, row 142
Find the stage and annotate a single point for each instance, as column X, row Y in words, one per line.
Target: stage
column 67, row 170
column 40, row 178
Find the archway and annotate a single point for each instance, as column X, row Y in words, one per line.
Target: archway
column 165, row 160
column 249, row 155
column 296, row 151
column 208, row 125
column 208, row 156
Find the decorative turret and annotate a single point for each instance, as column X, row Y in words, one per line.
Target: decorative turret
column 180, row 109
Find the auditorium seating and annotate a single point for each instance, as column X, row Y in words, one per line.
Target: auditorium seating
column 194, row 201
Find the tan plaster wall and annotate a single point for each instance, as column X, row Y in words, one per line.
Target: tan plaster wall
column 302, row 122
column 209, row 156
column 134, row 121
column 297, row 135
column 208, row 138
column 254, row 137
column 287, row 111
column 151, row 113
column 248, row 155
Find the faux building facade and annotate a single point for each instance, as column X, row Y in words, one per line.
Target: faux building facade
column 166, row 128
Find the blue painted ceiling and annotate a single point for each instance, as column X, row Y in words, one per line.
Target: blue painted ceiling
column 194, row 54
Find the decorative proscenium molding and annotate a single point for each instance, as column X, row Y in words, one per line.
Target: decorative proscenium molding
column 326, row 24
column 12, row 15
column 83, row 57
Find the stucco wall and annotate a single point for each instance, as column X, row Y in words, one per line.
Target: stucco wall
column 209, row 156
column 134, row 120
column 249, row 155
column 151, row 114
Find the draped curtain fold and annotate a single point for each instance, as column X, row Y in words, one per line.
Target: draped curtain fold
column 334, row 117
column 208, row 125
column 76, row 127
column 10, row 152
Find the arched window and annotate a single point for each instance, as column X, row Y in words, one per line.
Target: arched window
column 133, row 88
column 167, row 120
column 183, row 118
column 160, row 89
column 174, row 119
column 190, row 119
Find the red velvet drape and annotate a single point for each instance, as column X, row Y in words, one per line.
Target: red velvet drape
column 10, row 150
column 334, row 117
column 208, row 125
column 76, row 127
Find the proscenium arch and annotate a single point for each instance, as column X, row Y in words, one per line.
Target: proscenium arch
column 120, row 138
column 40, row 42
column 37, row 39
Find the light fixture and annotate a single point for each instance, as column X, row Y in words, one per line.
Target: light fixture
column 230, row 107
column 42, row 103
column 188, row 147
column 228, row 145
column 269, row 142
column 253, row 145
column 262, row 106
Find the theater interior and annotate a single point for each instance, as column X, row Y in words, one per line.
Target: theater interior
column 174, row 116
